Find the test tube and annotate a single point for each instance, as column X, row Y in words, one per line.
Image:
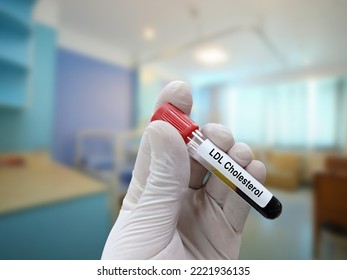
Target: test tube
column 219, row 163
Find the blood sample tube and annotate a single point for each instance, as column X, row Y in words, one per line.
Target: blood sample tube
column 219, row 163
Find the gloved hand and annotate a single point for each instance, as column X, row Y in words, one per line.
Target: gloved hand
column 169, row 211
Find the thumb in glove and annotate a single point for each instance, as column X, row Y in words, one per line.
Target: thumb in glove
column 146, row 226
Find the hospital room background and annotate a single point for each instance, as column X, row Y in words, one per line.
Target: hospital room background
column 78, row 83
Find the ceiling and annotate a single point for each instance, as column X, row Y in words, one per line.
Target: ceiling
column 258, row 36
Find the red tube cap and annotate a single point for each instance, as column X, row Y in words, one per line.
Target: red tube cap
column 171, row 114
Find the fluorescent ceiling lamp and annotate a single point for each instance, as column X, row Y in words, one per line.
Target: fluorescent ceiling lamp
column 211, row 55
column 148, row 33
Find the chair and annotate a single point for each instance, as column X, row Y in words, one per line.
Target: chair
column 283, row 169
column 330, row 201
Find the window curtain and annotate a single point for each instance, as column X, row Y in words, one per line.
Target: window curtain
column 305, row 114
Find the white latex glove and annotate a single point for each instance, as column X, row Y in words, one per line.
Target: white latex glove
column 168, row 213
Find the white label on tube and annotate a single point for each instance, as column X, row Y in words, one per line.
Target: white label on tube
column 234, row 172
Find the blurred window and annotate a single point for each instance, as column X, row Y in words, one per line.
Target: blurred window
column 301, row 115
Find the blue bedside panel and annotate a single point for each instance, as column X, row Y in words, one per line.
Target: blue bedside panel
column 75, row 229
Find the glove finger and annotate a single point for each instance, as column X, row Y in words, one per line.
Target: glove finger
column 169, row 166
column 197, row 174
column 154, row 217
column 241, row 153
column 177, row 93
column 257, row 169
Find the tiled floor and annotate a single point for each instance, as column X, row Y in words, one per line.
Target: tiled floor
column 287, row 237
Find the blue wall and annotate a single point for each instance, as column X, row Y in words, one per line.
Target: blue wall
column 29, row 128
column 90, row 94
